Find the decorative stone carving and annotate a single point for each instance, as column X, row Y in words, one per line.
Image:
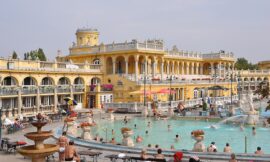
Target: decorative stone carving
column 71, row 128
column 199, row 146
column 86, row 135
column 127, row 140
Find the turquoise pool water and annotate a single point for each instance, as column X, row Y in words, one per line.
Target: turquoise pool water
column 159, row 134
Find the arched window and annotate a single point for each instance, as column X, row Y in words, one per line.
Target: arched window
column 96, row 62
column 29, row 81
column 9, row 81
column 95, row 81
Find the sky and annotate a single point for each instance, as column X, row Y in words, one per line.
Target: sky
column 238, row 26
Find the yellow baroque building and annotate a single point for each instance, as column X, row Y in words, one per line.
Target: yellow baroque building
column 116, row 75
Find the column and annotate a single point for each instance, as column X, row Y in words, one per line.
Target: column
column 145, row 67
column 55, row 99
column 183, row 94
column 177, row 69
column 201, row 69
column 219, row 69
column 136, row 69
column 126, row 67
column 71, row 91
column 182, row 68
column 38, row 100
column 113, row 67
column 192, row 68
column 173, row 72
column 154, row 68
column 226, row 70
column 187, row 69
column 197, row 68
column 168, row 69
column 162, row 68
column 212, row 69
column 20, row 101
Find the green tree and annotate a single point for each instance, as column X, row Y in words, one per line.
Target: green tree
column 14, row 55
column 35, row 54
column 243, row 64
column 264, row 92
column 41, row 55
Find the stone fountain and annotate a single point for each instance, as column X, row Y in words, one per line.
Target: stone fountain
column 247, row 106
column 39, row 151
column 198, row 135
column 127, row 140
column 86, row 130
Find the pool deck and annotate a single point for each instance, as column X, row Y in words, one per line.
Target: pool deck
column 108, row 149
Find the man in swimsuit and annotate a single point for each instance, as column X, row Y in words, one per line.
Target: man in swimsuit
column 71, row 153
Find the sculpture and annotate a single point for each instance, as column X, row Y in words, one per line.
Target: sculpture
column 198, row 135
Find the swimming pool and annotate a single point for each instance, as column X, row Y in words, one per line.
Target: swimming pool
column 159, row 134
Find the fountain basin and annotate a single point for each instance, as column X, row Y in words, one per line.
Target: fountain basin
column 39, row 124
column 30, row 151
column 43, row 135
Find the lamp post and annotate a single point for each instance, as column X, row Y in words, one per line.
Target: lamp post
column 230, row 77
column 144, row 89
column 170, row 98
column 215, row 83
column 239, row 86
column 0, row 124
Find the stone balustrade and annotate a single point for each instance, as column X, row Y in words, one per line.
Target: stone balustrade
column 30, row 65
column 155, row 45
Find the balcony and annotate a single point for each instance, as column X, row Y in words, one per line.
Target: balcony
column 46, row 89
column 46, row 108
column 103, row 88
column 29, row 110
column 63, row 89
column 29, row 90
column 78, row 88
column 9, row 90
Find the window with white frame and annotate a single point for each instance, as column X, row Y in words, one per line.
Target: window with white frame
column 47, row 100
column 29, row 101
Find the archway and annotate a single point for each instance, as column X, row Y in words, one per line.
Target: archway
column 64, row 81
column 95, row 81
column 120, row 65
column 47, row 81
column 9, row 81
column 131, row 65
column 78, row 80
column 109, row 65
column 29, row 81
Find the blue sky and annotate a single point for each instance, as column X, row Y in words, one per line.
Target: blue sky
column 240, row 26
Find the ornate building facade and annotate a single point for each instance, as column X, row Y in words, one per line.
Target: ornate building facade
column 96, row 74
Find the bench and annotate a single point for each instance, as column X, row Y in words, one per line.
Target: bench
column 92, row 154
column 148, row 159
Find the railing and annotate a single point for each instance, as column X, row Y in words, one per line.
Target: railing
column 29, row 90
column 8, row 90
column 78, row 88
column 46, row 89
column 135, row 106
column 178, row 81
column 63, row 89
column 134, row 45
column 46, row 108
column 59, row 67
column 29, row 110
column 189, row 54
column 217, row 55
column 253, row 72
